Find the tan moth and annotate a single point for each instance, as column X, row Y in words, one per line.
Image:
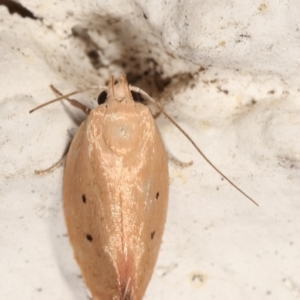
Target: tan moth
column 116, row 188
column 115, row 191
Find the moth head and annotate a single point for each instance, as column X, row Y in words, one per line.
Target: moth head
column 118, row 91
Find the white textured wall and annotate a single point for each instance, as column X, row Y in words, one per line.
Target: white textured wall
column 234, row 69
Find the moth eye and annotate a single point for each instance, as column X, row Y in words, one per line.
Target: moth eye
column 137, row 97
column 102, row 97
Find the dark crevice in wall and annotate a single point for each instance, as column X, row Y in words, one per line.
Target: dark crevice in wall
column 17, row 8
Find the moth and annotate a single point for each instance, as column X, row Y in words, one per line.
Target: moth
column 115, row 191
column 116, row 187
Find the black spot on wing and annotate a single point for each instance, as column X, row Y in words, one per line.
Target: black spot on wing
column 152, row 234
column 89, row 237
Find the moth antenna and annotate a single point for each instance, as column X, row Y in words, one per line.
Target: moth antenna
column 112, row 85
column 138, row 90
column 73, row 102
column 68, row 95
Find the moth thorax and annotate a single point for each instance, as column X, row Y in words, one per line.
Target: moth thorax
column 121, row 135
column 121, row 93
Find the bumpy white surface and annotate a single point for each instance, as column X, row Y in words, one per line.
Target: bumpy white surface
column 243, row 111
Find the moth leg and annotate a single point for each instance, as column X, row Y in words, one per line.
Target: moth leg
column 73, row 102
column 56, row 165
column 52, row 168
column 178, row 162
column 156, row 115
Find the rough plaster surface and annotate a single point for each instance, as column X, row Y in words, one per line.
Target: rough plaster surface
column 232, row 69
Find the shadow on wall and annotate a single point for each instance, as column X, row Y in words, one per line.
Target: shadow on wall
column 119, row 47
